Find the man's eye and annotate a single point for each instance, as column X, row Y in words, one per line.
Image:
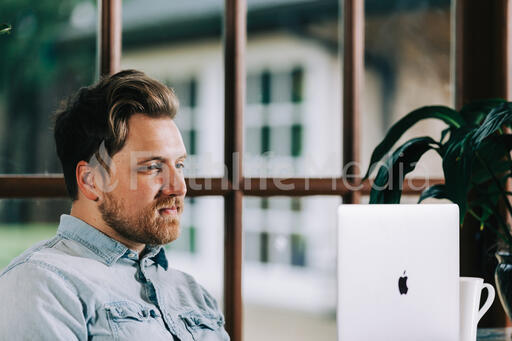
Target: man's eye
column 180, row 165
column 151, row 167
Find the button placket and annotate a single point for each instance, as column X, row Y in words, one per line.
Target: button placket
column 176, row 328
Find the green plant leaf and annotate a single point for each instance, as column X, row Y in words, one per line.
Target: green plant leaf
column 436, row 191
column 486, row 199
column 458, row 158
column 494, row 146
column 485, row 221
column 447, row 115
column 387, row 187
column 494, row 153
column 481, row 175
column 500, row 184
column 490, row 211
column 487, row 212
column 444, row 133
column 498, row 117
column 5, row 28
column 476, row 111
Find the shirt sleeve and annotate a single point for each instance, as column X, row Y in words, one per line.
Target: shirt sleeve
column 37, row 302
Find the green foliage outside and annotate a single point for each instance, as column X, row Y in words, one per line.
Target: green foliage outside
column 39, row 66
column 36, row 65
column 33, row 62
column 16, row 238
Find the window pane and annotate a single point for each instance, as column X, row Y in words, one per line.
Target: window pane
column 199, row 250
column 411, row 199
column 50, row 53
column 180, row 44
column 407, row 64
column 293, row 90
column 289, row 283
column 23, row 222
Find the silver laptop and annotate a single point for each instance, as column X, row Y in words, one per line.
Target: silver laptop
column 398, row 272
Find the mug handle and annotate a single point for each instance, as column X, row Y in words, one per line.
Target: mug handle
column 488, row 302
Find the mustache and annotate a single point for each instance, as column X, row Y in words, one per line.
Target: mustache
column 168, row 202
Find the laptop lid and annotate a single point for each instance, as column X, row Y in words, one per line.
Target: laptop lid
column 398, row 272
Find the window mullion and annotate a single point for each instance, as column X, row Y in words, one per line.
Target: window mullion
column 109, row 39
column 234, row 101
column 353, row 73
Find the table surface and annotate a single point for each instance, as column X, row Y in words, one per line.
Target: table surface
column 495, row 334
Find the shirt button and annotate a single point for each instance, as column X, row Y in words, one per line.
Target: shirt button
column 132, row 255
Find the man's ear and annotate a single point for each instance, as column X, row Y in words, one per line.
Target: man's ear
column 86, row 181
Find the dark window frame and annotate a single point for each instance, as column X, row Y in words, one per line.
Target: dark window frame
column 52, row 185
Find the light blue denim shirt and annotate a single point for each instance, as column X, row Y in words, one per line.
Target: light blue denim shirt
column 83, row 285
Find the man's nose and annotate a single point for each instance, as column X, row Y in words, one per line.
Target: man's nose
column 174, row 183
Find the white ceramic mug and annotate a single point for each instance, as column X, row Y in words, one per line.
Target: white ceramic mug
column 470, row 292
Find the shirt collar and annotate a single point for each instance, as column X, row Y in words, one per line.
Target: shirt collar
column 107, row 249
column 157, row 254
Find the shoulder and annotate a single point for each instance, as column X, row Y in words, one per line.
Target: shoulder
column 29, row 273
column 58, row 254
column 28, row 255
column 50, row 260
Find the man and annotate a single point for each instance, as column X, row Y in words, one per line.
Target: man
column 105, row 275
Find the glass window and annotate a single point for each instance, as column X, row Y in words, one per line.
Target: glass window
column 407, row 66
column 297, row 85
column 186, row 90
column 199, row 250
column 281, row 141
column 180, row 43
column 254, row 141
column 282, row 87
column 296, row 204
column 50, row 53
column 298, row 249
column 293, row 90
column 290, row 268
column 253, row 92
column 187, row 242
column 296, row 140
column 265, row 139
column 411, row 199
column 266, row 87
column 252, row 247
column 24, row 222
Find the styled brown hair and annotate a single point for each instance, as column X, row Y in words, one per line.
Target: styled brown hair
column 99, row 114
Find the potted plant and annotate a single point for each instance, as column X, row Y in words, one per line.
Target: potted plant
column 475, row 151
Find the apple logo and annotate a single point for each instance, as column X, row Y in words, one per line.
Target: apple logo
column 402, row 285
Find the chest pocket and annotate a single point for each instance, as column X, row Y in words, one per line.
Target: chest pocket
column 132, row 321
column 204, row 327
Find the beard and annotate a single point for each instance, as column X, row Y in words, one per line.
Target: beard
column 146, row 226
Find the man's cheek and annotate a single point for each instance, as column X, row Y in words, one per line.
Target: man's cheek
column 147, row 190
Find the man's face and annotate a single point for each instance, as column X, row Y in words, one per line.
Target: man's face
column 148, row 186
